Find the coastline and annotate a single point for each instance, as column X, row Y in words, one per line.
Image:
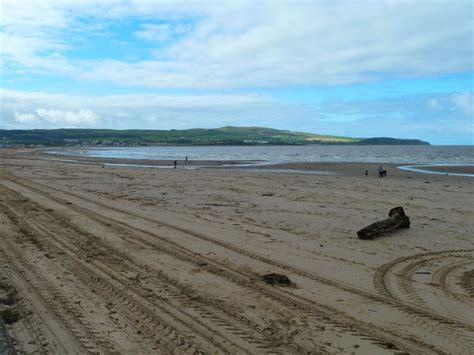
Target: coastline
column 439, row 169
column 315, row 168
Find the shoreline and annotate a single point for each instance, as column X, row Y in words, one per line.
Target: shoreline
column 315, row 167
column 440, row 169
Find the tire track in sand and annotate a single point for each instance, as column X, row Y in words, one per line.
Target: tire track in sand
column 106, row 281
column 404, row 344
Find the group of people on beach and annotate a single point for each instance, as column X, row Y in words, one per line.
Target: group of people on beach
column 382, row 172
column 176, row 162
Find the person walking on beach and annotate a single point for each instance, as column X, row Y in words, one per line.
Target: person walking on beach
column 382, row 172
column 175, row 164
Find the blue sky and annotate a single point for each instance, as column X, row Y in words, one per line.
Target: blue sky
column 357, row 68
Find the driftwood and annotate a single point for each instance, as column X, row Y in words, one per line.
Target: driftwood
column 396, row 219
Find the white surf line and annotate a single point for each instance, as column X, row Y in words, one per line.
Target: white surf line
column 416, row 168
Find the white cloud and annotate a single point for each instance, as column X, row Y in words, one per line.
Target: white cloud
column 161, row 33
column 31, row 117
column 157, row 33
column 236, row 44
column 11, row 98
column 464, row 101
column 26, row 118
column 83, row 117
column 33, row 13
column 433, row 105
column 139, row 111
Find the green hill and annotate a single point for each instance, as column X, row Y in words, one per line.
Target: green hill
column 199, row 136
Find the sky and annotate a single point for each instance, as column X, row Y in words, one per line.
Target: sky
column 359, row 68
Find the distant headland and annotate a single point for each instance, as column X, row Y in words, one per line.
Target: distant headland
column 198, row 136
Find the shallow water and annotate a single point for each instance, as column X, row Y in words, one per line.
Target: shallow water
column 460, row 155
column 426, row 170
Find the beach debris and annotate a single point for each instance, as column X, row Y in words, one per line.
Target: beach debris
column 10, row 315
column 389, row 345
column 396, row 219
column 6, row 343
column 276, row 279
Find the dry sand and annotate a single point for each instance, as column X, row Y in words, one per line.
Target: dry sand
column 135, row 260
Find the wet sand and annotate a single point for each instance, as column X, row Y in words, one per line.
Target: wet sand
column 456, row 169
column 171, row 260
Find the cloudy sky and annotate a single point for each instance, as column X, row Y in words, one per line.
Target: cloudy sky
column 356, row 68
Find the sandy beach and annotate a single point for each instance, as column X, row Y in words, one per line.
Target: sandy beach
column 103, row 258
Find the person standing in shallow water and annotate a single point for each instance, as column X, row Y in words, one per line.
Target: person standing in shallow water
column 175, row 164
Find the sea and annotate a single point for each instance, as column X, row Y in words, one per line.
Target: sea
column 403, row 154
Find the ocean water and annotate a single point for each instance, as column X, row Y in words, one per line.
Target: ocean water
column 429, row 155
